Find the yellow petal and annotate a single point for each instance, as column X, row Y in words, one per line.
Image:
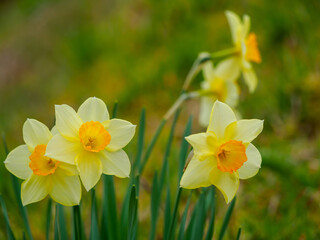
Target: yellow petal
column 17, row 162
column 93, row 109
column 227, row 183
column 34, row 189
column 250, row 78
column 121, row 132
column 235, row 26
column 204, row 144
column 90, row 169
column 66, row 190
column 205, row 110
column 221, row 116
column 68, row 169
column 197, row 173
column 244, row 130
column 68, row 122
column 116, row 163
column 63, row 150
column 229, row 69
column 252, row 165
column 35, row 133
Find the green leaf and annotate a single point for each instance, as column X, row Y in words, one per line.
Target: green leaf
column 17, row 189
column 49, row 215
column 114, row 110
column 109, row 221
column 155, row 201
column 174, row 215
column 227, row 219
column 142, row 126
column 78, row 230
column 60, row 224
column 6, row 219
column 200, row 219
column 167, row 215
column 132, row 218
column 151, row 145
column 239, row 233
column 94, row 232
column 212, row 200
column 184, row 219
column 184, row 148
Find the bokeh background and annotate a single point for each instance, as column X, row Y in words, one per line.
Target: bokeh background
column 138, row 53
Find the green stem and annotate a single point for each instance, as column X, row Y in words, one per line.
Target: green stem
column 224, row 53
column 195, row 69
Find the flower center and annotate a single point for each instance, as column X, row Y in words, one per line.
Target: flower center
column 231, row 155
column 93, row 136
column 40, row 164
column 219, row 89
column 252, row 52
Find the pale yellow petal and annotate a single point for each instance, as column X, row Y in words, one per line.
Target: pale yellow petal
column 250, row 79
column 116, row 163
column 35, row 133
column 246, row 25
column 229, row 69
column 68, row 122
column 235, row 26
column 227, row 183
column 93, row 109
column 34, row 189
column 121, row 132
column 208, row 70
column 251, row 167
column 244, row 130
column 66, row 190
column 63, row 150
column 17, row 162
column 197, row 173
column 54, row 130
column 90, row 169
column 221, row 116
column 233, row 93
column 68, row 169
column 206, row 105
column 204, row 144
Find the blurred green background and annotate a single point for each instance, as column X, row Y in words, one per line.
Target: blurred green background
column 138, row 53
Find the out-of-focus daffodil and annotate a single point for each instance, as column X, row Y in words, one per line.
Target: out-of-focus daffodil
column 246, row 49
column 219, row 84
column 43, row 175
column 91, row 141
column 223, row 154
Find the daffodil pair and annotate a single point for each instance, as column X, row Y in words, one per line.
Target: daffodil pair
column 224, row 153
column 220, row 82
column 85, row 143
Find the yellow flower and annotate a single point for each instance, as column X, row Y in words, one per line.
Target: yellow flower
column 219, row 84
column 247, row 49
column 91, row 141
column 43, row 175
column 223, row 154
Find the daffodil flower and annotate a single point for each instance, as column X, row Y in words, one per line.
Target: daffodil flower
column 91, row 141
column 219, row 84
column 246, row 49
column 43, row 175
column 224, row 153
